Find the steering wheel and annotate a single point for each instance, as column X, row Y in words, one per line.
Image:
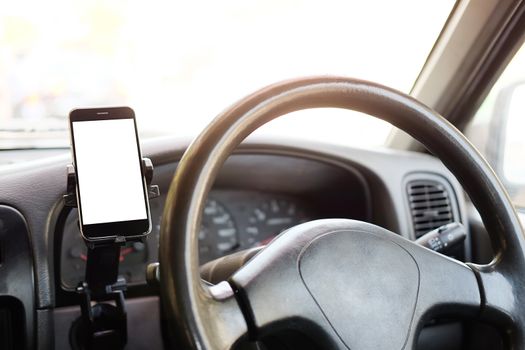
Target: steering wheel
column 346, row 284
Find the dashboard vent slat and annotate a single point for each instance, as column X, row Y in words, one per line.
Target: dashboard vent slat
column 430, row 205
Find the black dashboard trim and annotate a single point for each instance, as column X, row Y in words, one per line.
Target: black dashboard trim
column 17, row 289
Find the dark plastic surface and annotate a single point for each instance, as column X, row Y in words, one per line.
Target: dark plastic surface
column 144, row 328
column 16, row 276
column 188, row 303
column 102, row 267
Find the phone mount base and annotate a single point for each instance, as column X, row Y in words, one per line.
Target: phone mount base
column 101, row 325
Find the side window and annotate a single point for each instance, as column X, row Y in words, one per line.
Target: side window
column 498, row 128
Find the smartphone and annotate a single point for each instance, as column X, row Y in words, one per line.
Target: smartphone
column 111, row 188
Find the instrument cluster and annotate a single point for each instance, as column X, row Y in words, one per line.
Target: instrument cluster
column 237, row 221
column 232, row 220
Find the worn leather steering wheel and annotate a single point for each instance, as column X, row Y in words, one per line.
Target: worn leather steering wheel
column 346, row 284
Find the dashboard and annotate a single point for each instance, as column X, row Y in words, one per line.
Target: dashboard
column 266, row 186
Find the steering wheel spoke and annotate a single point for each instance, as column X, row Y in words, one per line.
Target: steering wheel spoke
column 447, row 287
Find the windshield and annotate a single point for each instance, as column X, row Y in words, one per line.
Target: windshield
column 179, row 63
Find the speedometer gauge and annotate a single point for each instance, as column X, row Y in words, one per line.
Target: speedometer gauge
column 218, row 235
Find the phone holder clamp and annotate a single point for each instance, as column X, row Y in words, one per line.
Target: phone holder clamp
column 70, row 198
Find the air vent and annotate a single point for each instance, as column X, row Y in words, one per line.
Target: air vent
column 430, row 205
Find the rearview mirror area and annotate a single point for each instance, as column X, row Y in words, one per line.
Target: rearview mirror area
column 513, row 162
column 498, row 128
column 499, row 133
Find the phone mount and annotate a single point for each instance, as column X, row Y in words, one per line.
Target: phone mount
column 102, row 325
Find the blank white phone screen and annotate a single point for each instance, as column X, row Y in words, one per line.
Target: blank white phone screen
column 108, row 170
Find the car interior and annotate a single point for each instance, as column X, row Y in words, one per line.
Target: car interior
column 338, row 175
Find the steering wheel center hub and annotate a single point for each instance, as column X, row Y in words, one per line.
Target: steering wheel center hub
column 371, row 282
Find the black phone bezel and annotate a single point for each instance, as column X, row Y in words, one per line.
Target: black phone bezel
column 132, row 229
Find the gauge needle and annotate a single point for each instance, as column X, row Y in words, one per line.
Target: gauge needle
column 267, row 240
column 83, row 257
column 125, row 252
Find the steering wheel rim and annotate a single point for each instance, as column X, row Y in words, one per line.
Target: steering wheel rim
column 204, row 317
